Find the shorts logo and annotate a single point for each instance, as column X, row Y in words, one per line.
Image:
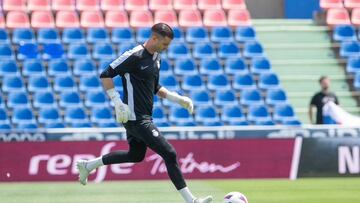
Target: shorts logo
column 155, row 133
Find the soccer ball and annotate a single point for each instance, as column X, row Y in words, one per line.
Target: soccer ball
column 235, row 197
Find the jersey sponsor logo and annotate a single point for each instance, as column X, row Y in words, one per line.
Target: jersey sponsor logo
column 144, row 67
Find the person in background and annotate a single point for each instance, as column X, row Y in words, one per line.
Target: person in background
column 320, row 99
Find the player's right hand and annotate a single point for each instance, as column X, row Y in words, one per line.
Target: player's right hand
column 122, row 112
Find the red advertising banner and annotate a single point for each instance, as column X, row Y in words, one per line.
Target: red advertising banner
column 198, row 159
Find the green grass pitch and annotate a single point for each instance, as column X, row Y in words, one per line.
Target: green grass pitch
column 314, row 190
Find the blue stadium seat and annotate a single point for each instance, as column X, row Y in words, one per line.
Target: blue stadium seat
column 23, row 35
column 78, row 51
column 125, row 46
column 49, row 115
column 2, row 102
column 12, row 84
column 192, row 123
column 159, row 115
column 85, row 124
column 176, row 51
column 251, row 97
column 103, row 51
column 292, row 123
column 275, row 97
column 218, row 82
column 118, row 83
column 121, row 35
column 70, row 99
column 53, row 51
column 213, row 123
column 232, row 114
column 239, row 123
column 268, row 81
column 55, row 125
column 179, row 115
column 97, row 35
column 33, row 68
column 96, row 99
column 197, row 34
column 283, row 113
column 23, row 115
column 6, row 52
column 185, row 67
column 178, row 35
column 169, row 82
column 203, row 50
column 44, row 99
column 75, row 116
column 245, row 34
column 210, row 66
column 64, row 83
column 221, row 34
column 225, row 98
column 18, row 99
column 28, row 51
column 103, row 64
column 229, row 50
column 201, row 98
column 90, row 83
column 357, row 81
column 350, row 49
column 165, row 67
column 4, row 118
column 157, row 101
column 38, row 83
column 48, row 35
column 162, row 124
column 253, row 49
column 4, row 127
column 108, row 125
column 266, row 123
column 234, row 66
column 73, row 35
column 27, row 127
column 101, row 115
column 258, row 113
column 344, row 33
column 353, row 65
column 206, row 114
column 260, row 65
column 84, row 67
column 4, row 36
column 142, row 34
column 193, row 83
column 58, row 67
column 8, row 68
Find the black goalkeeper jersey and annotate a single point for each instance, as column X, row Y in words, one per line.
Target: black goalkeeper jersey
column 139, row 71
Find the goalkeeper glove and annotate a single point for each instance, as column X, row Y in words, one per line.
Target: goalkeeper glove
column 122, row 110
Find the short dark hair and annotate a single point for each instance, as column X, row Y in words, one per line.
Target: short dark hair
column 322, row 78
column 163, row 30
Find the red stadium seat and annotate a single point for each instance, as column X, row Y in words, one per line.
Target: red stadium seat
column 14, row 5
column 39, row 5
column 239, row 18
column 355, row 16
column 112, row 5
column 141, row 19
column 337, row 17
column 63, row 5
column 87, row 5
column 213, row 18
column 166, row 16
column 209, row 4
column 2, row 21
column 160, row 5
column 42, row 19
column 135, row 5
column 67, row 19
column 185, row 5
column 17, row 19
column 91, row 19
column 327, row 4
column 352, row 4
column 116, row 19
column 190, row 18
column 233, row 4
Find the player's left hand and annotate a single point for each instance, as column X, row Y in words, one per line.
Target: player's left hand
column 186, row 103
